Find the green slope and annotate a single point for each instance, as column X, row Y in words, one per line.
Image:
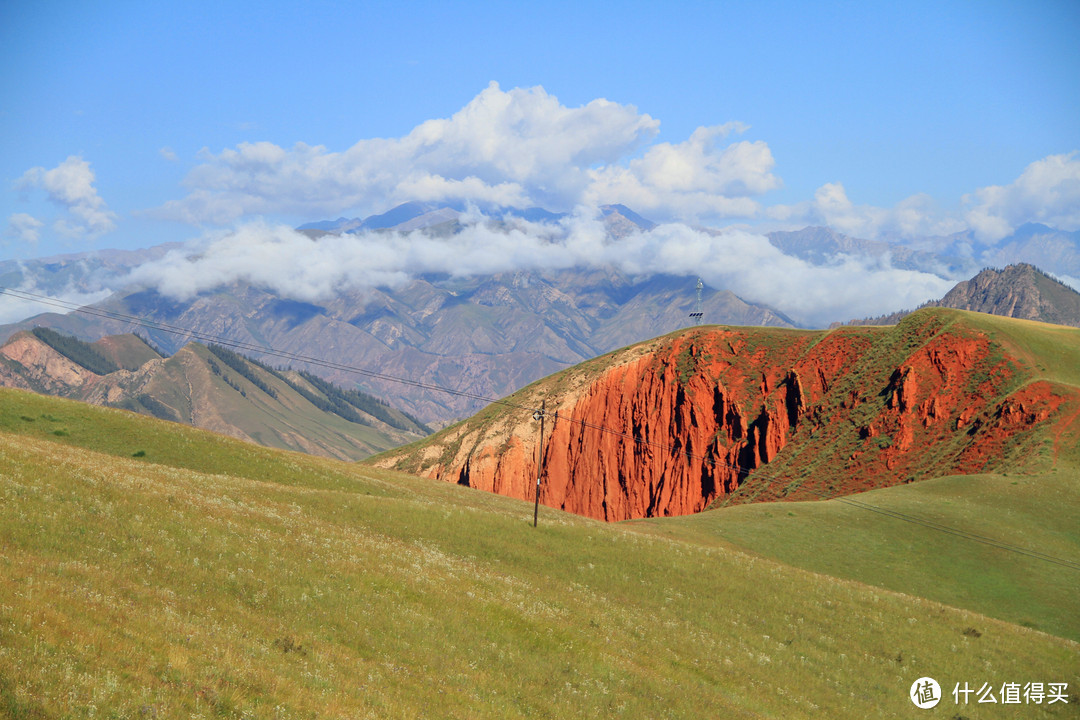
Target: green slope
column 214, row 578
column 1036, row 513
column 1034, row 508
column 1052, row 352
column 129, row 351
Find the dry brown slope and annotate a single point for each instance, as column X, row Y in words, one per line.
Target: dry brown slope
column 670, row 426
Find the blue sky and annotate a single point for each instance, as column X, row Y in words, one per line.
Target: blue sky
column 124, row 124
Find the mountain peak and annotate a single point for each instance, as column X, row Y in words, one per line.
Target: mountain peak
column 397, row 215
column 1032, row 228
column 1021, row 291
column 623, row 211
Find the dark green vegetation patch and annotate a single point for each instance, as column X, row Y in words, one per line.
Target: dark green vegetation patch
column 79, row 352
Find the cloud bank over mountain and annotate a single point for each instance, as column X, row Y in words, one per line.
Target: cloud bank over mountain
column 916, row 216
column 294, row 265
column 1048, row 191
column 524, row 148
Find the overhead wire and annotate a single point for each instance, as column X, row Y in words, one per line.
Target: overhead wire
column 634, row 437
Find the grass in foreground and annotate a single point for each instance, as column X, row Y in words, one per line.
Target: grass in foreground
column 214, row 579
column 838, row 539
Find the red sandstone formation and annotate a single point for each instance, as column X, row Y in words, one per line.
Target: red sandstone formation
column 668, row 427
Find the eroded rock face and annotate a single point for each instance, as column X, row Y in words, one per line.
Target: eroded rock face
column 45, row 367
column 669, row 427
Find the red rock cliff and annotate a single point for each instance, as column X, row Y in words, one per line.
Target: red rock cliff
column 668, row 427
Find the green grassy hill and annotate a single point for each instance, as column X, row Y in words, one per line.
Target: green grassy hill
column 1032, row 503
column 1029, row 512
column 128, row 351
column 149, row 569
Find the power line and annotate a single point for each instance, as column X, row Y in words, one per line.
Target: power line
column 537, row 413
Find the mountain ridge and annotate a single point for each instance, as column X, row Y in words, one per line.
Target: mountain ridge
column 208, row 387
column 481, row 334
column 484, row 336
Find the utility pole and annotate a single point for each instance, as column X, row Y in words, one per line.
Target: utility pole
column 539, row 415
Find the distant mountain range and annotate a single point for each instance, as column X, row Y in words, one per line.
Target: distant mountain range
column 1019, row 291
column 209, row 387
column 1056, row 251
column 825, row 246
column 410, row 216
column 482, row 336
column 405, row 217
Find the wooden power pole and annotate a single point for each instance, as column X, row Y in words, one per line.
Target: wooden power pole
column 539, row 415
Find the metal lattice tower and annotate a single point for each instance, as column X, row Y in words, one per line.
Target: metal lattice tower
column 696, row 315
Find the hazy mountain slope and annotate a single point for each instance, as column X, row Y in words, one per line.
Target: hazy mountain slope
column 82, row 272
column 951, row 256
column 1032, row 243
column 211, row 577
column 670, row 426
column 198, row 386
column 620, row 221
column 824, row 246
column 484, row 336
column 1042, row 246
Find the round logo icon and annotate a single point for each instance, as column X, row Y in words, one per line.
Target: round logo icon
column 925, row 693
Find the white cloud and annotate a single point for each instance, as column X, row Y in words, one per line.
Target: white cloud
column 71, row 185
column 693, row 179
column 425, row 187
column 168, row 153
column 1048, row 191
column 916, row 216
column 296, row 266
column 519, row 147
column 24, row 228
